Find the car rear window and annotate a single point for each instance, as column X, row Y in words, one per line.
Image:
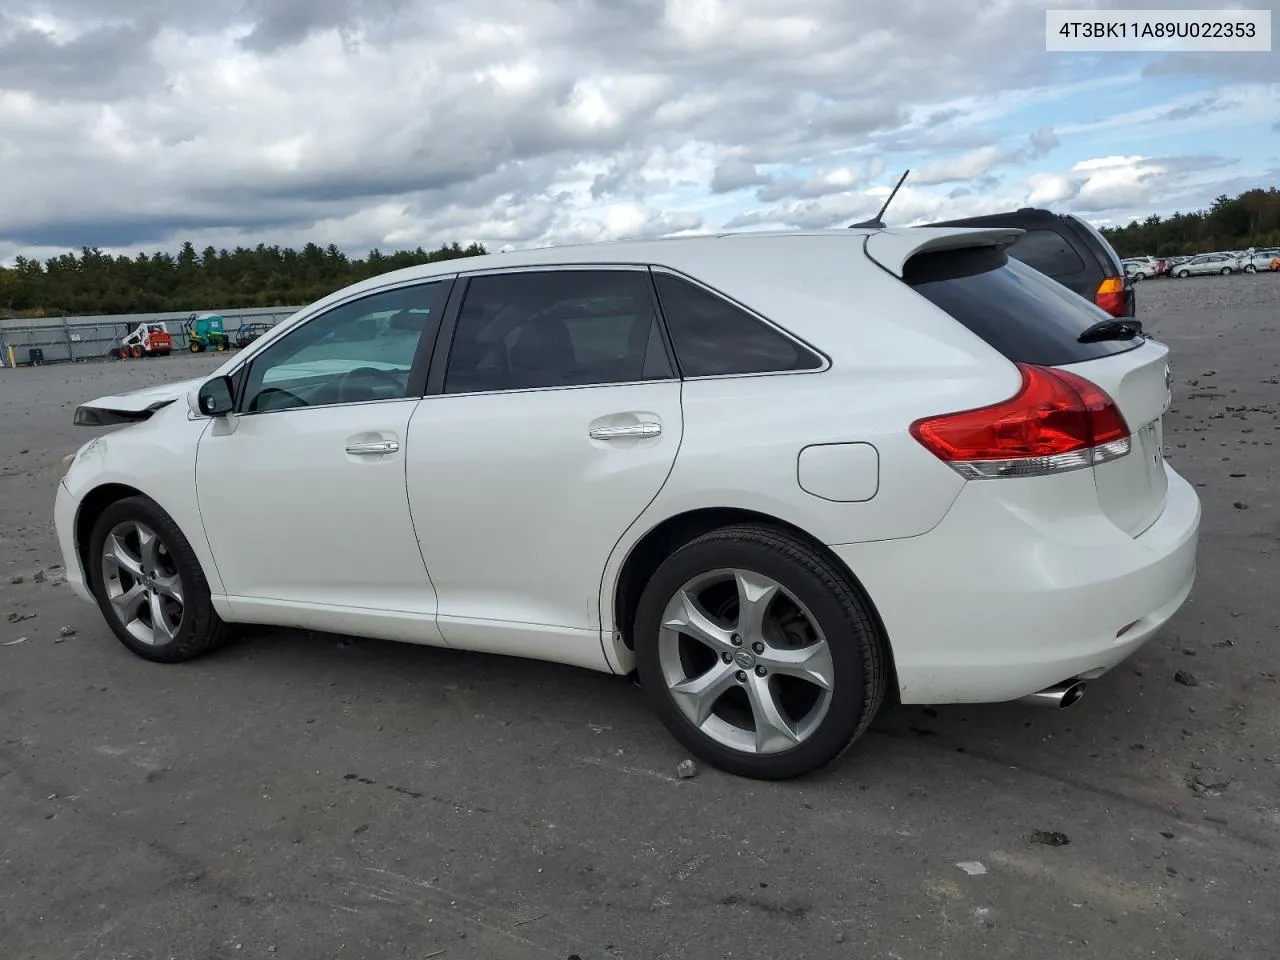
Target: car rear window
column 1019, row 311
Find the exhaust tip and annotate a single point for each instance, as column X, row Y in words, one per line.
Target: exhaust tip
column 1058, row 697
column 1072, row 694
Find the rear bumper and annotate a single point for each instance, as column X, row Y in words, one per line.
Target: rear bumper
column 65, row 508
column 994, row 603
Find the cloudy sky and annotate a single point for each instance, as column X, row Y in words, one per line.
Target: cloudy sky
column 136, row 124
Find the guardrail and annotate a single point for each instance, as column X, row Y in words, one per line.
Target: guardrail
column 26, row 342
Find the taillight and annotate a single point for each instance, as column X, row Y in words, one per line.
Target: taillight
column 1110, row 296
column 1056, row 422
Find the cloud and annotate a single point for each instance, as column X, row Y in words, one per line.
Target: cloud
column 140, row 123
column 736, row 174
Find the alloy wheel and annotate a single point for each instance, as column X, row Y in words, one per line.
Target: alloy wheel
column 142, row 583
column 745, row 662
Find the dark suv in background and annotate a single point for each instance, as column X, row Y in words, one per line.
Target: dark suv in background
column 1069, row 250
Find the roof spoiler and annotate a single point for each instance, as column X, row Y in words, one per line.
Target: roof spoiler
column 893, row 248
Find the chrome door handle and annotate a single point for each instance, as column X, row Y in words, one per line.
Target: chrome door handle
column 648, row 429
column 375, row 446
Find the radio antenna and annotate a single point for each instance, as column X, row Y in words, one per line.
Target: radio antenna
column 877, row 222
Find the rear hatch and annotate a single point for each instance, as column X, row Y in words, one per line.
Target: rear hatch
column 1030, row 319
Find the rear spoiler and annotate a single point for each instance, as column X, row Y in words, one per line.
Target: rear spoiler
column 892, row 249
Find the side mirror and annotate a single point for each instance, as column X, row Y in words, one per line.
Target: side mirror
column 215, row 398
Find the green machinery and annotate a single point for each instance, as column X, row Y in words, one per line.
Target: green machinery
column 205, row 332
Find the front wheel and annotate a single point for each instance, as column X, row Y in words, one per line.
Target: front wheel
column 149, row 584
column 1250, row 268
column 1225, row 271
column 1183, row 274
column 757, row 653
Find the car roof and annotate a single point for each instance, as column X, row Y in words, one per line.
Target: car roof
column 666, row 251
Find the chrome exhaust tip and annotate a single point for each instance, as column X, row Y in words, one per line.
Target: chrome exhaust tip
column 1059, row 696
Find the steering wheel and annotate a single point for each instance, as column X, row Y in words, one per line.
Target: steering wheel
column 366, row 374
column 275, row 398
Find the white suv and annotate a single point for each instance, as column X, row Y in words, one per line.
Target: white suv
column 783, row 477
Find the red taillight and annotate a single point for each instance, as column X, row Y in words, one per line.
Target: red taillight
column 1057, row 421
column 1110, row 296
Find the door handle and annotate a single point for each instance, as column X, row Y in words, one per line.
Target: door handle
column 647, row 429
column 374, row 446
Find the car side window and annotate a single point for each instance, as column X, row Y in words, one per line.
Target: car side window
column 1047, row 251
column 555, row 328
column 356, row 352
column 713, row 337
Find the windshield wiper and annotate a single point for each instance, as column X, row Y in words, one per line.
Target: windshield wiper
column 1121, row 329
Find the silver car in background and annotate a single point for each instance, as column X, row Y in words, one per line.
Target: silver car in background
column 1260, row 261
column 1206, row 264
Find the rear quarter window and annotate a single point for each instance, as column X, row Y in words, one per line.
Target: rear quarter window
column 1017, row 310
column 1047, row 251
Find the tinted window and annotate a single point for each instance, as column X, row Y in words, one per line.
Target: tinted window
column 1023, row 314
column 1047, row 251
column 562, row 328
column 713, row 337
column 354, row 353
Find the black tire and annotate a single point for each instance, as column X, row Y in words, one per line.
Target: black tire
column 200, row 629
column 858, row 650
column 1250, row 268
column 1183, row 274
column 1226, row 271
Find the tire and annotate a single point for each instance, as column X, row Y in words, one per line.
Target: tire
column 848, row 650
column 191, row 628
column 1183, row 274
column 1225, row 271
column 195, row 347
column 1250, row 268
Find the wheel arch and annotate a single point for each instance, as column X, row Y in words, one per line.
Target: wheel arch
column 99, row 498
column 661, row 540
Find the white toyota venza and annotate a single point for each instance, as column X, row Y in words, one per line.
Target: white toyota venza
column 782, row 478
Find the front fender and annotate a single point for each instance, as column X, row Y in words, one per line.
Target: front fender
column 156, row 457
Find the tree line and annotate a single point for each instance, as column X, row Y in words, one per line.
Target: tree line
column 94, row 282
column 1251, row 219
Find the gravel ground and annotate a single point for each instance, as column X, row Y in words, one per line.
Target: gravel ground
column 300, row 796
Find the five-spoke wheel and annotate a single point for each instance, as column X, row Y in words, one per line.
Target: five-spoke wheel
column 758, row 652
column 142, row 581
column 149, row 584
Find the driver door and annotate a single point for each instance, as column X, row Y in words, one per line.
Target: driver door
column 302, row 489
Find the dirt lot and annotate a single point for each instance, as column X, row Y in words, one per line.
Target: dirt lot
column 308, row 797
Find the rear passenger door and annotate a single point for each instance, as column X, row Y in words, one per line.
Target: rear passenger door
column 552, row 419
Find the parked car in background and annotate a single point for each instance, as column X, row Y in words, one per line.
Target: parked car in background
column 1260, row 260
column 1068, row 249
column 1208, row 263
column 784, row 476
column 1141, row 268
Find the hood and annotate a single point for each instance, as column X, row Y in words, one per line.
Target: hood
column 134, row 405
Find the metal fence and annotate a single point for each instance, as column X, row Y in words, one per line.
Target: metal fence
column 62, row 339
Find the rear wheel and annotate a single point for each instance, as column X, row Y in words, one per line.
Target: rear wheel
column 149, row 584
column 1250, row 268
column 757, row 653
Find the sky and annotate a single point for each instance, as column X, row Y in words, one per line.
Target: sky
column 137, row 124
